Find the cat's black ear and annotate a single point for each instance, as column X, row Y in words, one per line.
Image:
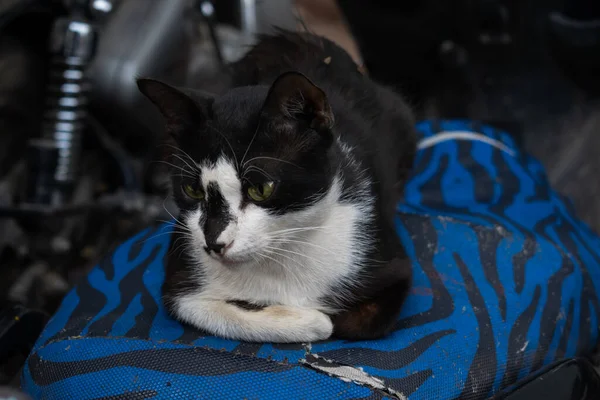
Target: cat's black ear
column 178, row 108
column 294, row 96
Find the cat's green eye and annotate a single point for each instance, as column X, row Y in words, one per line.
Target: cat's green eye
column 193, row 191
column 261, row 192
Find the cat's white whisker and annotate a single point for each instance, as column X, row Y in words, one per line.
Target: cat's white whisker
column 314, row 245
column 156, row 236
column 251, row 141
column 302, row 242
column 318, row 262
column 229, row 144
column 186, row 234
column 275, row 250
column 192, row 177
column 263, row 255
column 180, row 230
column 195, row 170
column 172, row 216
column 303, row 233
column 293, row 230
column 273, row 159
column 262, row 171
column 183, row 152
column 169, row 222
column 183, row 247
column 176, row 167
column 285, row 267
column 177, row 240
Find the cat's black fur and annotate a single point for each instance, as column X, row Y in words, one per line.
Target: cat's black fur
column 370, row 118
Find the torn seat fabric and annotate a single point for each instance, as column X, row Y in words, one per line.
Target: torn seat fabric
column 506, row 281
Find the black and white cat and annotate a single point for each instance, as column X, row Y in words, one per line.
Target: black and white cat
column 287, row 185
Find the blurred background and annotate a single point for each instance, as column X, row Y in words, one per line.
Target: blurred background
column 79, row 146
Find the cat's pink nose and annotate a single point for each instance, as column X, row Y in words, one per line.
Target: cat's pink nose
column 218, row 248
column 230, row 245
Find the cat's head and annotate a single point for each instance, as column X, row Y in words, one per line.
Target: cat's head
column 252, row 169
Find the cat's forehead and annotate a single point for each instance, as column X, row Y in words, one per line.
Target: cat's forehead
column 239, row 107
column 234, row 132
column 223, row 172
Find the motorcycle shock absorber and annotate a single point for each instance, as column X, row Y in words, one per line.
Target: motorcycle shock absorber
column 54, row 158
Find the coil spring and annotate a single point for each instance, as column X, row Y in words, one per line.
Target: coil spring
column 64, row 119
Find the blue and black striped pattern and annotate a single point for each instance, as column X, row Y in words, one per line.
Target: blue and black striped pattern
column 505, row 281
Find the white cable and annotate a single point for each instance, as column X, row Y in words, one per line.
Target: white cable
column 464, row 135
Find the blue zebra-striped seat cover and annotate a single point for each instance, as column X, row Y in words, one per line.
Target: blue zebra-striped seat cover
column 505, row 281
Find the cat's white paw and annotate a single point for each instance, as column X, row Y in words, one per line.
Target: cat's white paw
column 319, row 325
column 278, row 323
column 294, row 324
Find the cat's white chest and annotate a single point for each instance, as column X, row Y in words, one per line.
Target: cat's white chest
column 302, row 272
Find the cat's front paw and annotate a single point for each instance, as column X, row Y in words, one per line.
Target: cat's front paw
column 301, row 324
column 321, row 326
